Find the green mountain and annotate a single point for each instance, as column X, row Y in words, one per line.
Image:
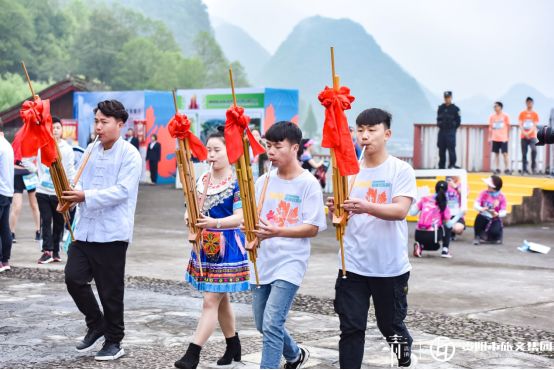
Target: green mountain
column 375, row 79
column 184, row 18
column 240, row 46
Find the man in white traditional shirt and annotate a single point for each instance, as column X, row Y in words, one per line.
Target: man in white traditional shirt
column 106, row 195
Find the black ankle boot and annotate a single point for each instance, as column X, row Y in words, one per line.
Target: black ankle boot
column 191, row 358
column 232, row 352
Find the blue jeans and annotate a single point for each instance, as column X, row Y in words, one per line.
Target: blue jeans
column 271, row 304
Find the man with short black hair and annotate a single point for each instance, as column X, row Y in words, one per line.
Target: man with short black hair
column 131, row 138
column 106, row 195
column 448, row 120
column 375, row 246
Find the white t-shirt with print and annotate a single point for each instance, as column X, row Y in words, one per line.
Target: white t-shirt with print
column 288, row 203
column 375, row 247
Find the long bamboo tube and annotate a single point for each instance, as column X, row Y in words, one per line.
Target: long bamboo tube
column 247, row 194
column 185, row 167
column 57, row 172
column 340, row 184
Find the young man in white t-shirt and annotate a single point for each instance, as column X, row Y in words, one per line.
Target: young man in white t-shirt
column 292, row 213
column 375, row 244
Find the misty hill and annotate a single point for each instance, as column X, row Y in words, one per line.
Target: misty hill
column 238, row 45
column 376, row 80
column 185, row 18
column 478, row 109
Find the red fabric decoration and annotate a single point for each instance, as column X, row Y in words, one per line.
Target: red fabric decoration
column 336, row 134
column 179, row 128
column 235, row 125
column 36, row 132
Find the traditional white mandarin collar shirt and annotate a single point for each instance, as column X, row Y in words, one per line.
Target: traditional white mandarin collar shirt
column 110, row 182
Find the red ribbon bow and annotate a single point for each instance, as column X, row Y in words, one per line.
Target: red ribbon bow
column 36, row 132
column 179, row 128
column 336, row 134
column 235, row 125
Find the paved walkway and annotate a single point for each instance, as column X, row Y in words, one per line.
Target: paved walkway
column 484, row 294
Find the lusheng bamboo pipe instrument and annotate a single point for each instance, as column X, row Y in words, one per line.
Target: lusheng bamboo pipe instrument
column 340, row 185
column 247, row 194
column 185, row 167
column 57, row 172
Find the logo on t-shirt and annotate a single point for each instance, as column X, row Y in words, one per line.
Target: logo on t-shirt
column 379, row 192
column 285, row 214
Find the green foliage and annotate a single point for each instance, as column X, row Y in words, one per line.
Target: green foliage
column 14, row 88
column 123, row 48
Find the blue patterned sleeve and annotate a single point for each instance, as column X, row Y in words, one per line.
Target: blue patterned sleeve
column 237, row 202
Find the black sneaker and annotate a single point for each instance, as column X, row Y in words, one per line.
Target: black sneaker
column 110, row 351
column 14, row 240
column 90, row 340
column 57, row 257
column 38, row 237
column 304, row 356
column 45, row 258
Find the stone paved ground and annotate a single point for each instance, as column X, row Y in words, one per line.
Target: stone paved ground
column 484, row 294
column 42, row 325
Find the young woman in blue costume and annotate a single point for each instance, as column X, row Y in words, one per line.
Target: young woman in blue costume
column 224, row 260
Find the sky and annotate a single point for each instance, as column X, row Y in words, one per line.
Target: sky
column 472, row 47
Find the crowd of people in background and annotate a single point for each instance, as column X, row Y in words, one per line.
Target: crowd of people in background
column 498, row 133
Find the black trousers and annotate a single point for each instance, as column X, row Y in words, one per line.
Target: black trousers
column 5, row 232
column 51, row 222
column 525, row 144
column 352, row 305
column 153, row 171
column 488, row 229
column 105, row 263
column 447, row 142
column 427, row 238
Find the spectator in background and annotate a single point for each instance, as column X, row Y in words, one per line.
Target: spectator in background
column 454, row 201
column 491, row 205
column 499, row 130
column 448, row 120
column 317, row 168
column 6, row 195
column 153, row 156
column 131, row 138
column 354, row 140
column 52, row 222
column 551, row 124
column 25, row 179
column 257, row 162
column 306, row 158
column 528, row 121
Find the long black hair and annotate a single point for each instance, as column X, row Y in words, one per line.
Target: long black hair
column 441, row 188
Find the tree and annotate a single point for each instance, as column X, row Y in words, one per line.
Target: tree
column 174, row 71
column 16, row 35
column 310, row 126
column 14, row 89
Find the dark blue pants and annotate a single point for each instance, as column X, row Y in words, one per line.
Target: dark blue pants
column 447, row 142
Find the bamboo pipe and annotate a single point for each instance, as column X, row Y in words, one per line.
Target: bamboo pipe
column 247, row 194
column 188, row 180
column 339, row 192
